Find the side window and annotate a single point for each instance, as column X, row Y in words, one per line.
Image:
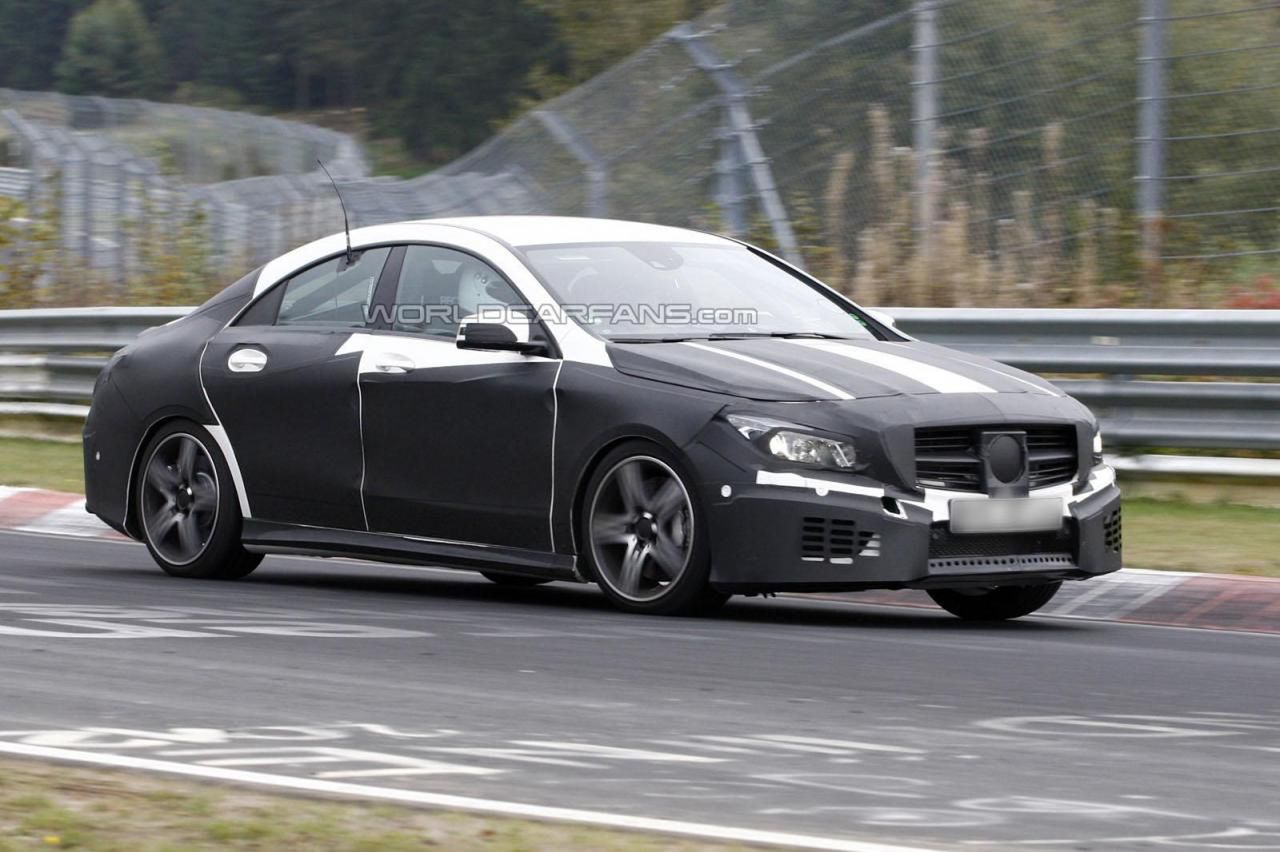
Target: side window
column 440, row 286
column 333, row 293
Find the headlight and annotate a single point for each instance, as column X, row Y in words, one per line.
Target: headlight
column 789, row 442
column 1097, row 447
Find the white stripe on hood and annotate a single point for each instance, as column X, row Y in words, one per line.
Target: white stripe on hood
column 831, row 390
column 942, row 381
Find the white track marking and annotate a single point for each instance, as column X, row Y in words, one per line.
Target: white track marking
column 848, row 744
column 461, row 803
column 616, row 752
column 942, row 381
column 832, row 390
column 762, row 742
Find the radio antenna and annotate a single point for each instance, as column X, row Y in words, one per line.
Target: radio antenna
column 346, row 225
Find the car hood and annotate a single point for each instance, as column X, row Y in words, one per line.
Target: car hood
column 804, row 369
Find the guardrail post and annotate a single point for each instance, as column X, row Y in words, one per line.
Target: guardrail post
column 1151, row 140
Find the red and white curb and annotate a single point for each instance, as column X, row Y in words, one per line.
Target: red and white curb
column 1171, row 598
column 1139, row 596
column 52, row 512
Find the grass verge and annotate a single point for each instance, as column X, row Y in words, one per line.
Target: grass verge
column 41, row 464
column 1213, row 537
column 1162, row 532
column 57, row 806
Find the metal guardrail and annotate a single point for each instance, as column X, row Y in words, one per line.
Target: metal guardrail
column 1119, row 362
column 1126, row 353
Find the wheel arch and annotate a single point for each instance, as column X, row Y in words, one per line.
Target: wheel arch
column 157, row 422
column 588, row 469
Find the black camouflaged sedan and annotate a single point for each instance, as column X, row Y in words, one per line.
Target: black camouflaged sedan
column 676, row 416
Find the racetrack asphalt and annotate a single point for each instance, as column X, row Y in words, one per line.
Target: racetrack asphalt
column 827, row 718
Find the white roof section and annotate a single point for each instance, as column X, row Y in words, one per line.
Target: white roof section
column 525, row 231
column 519, row 231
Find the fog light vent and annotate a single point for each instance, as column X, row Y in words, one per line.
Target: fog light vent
column 1113, row 532
column 833, row 539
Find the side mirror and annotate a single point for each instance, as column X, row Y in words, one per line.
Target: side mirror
column 500, row 337
column 882, row 318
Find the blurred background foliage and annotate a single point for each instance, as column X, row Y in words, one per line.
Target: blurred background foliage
column 438, row 75
column 1033, row 177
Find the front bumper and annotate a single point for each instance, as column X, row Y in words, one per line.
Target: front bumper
column 785, row 532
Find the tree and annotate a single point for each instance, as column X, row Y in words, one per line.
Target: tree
column 111, row 50
column 31, row 36
column 599, row 33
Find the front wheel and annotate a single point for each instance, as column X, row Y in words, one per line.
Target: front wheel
column 644, row 537
column 188, row 514
column 995, row 604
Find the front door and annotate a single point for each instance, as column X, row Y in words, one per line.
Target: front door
column 457, row 442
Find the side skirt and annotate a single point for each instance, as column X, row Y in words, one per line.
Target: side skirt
column 268, row 537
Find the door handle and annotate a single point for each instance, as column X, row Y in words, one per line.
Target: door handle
column 393, row 362
column 247, row 361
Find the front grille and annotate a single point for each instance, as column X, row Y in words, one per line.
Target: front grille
column 947, row 457
column 836, row 539
column 1051, row 452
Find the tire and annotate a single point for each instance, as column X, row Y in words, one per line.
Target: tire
column 513, row 581
column 643, row 533
column 998, row 604
column 188, row 514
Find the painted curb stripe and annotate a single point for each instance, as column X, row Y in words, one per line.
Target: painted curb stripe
column 831, row 390
column 942, row 381
column 20, row 508
column 459, row 803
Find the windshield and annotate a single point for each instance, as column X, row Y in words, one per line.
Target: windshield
column 645, row 292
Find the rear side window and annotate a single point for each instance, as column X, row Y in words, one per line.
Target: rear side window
column 333, row 294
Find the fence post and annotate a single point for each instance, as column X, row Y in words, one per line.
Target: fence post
column 924, row 115
column 737, row 117
column 593, row 165
column 1151, row 140
column 730, row 192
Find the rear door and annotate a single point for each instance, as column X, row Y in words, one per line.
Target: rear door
column 285, row 390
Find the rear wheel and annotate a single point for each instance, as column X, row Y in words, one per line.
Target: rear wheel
column 513, row 581
column 995, row 604
column 187, row 507
column 645, row 542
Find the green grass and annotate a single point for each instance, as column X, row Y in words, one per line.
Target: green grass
column 1162, row 531
column 1214, row 537
column 62, row 807
column 41, row 464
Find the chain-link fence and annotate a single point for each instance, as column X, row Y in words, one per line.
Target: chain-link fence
column 129, row 189
column 943, row 152
column 1216, row 131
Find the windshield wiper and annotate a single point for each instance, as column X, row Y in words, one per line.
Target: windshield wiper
column 788, row 335
column 651, row 339
column 791, row 335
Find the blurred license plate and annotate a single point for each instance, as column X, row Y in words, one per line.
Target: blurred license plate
column 1024, row 514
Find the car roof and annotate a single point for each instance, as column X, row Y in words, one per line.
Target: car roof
column 526, row 231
